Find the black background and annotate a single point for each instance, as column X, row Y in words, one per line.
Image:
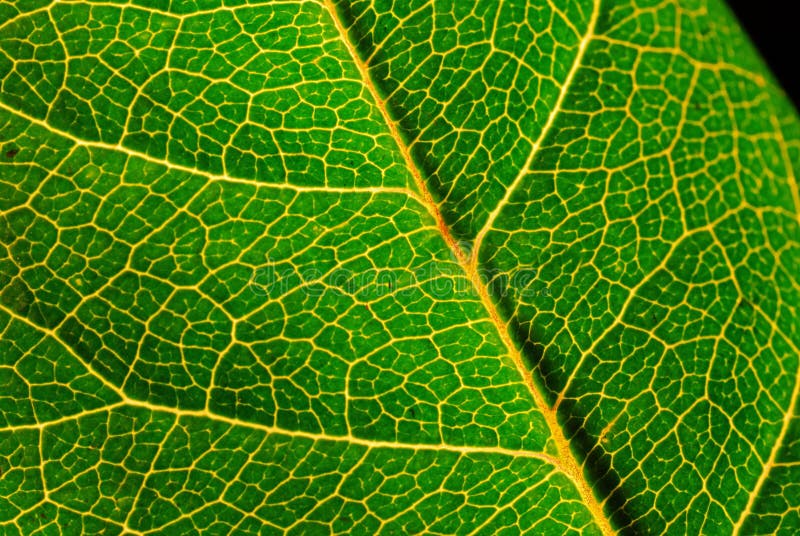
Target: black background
column 776, row 34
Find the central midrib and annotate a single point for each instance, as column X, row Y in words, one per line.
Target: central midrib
column 567, row 461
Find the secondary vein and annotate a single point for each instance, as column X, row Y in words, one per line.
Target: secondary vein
column 210, row 176
column 125, row 400
column 526, row 168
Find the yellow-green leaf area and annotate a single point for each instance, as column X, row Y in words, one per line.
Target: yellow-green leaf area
column 424, row 267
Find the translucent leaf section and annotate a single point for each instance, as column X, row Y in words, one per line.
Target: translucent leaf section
column 354, row 267
column 227, row 307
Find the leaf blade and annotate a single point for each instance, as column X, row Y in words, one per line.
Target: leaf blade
column 195, row 192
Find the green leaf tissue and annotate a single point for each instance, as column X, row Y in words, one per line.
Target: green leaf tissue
column 392, row 267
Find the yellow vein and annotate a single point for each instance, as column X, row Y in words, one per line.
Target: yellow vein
column 52, row 334
column 210, row 176
column 787, row 162
column 567, row 461
column 150, row 9
column 63, row 419
column 369, row 443
column 526, row 168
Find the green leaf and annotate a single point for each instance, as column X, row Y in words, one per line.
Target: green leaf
column 356, row 267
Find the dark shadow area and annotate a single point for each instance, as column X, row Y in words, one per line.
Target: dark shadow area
column 773, row 29
column 590, row 454
column 597, row 467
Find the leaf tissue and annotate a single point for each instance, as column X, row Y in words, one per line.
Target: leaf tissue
column 395, row 267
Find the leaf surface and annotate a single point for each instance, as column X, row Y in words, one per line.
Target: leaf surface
column 373, row 267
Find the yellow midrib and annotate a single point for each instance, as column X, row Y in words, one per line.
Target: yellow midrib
column 567, row 462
